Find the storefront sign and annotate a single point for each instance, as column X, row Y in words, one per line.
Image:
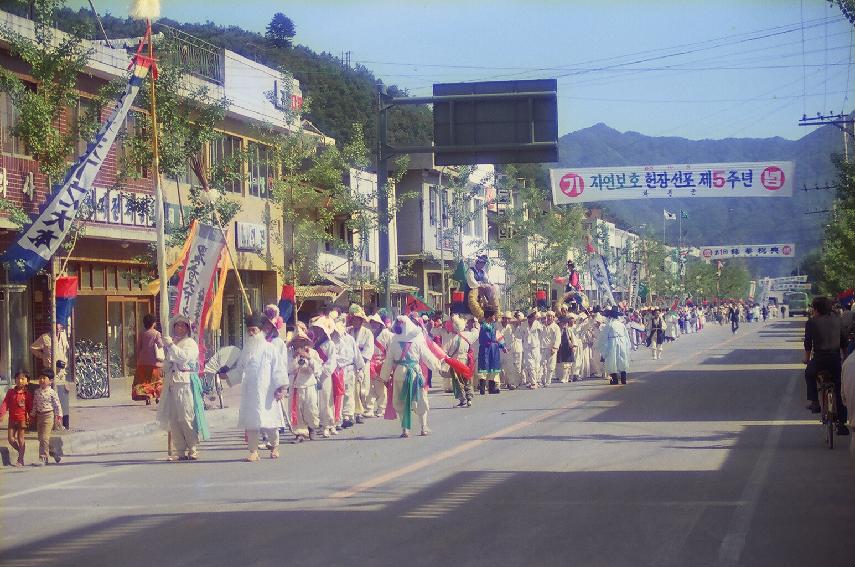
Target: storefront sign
column 119, row 207
column 787, row 250
column 250, row 237
column 585, row 185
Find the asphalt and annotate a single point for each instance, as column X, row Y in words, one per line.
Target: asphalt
column 706, row 457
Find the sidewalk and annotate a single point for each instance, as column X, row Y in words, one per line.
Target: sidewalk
column 107, row 422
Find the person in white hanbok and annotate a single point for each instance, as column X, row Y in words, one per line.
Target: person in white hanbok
column 582, row 327
column 407, row 351
column 264, row 381
column 321, row 329
column 350, row 362
column 363, row 337
column 594, row 327
column 305, row 367
column 614, row 345
column 181, row 410
column 550, row 340
column 530, row 335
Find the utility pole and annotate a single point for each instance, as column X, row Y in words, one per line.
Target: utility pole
column 383, row 199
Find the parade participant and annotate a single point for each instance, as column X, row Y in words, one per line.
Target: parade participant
column 511, row 360
column 181, row 410
column 614, row 345
column 566, row 348
column 274, row 332
column 550, row 340
column 350, row 362
column 672, row 327
column 263, row 384
column 733, row 317
column 382, row 338
column 46, row 413
column 19, row 403
column 583, row 350
column 305, row 369
column 824, row 341
column 364, row 339
column 656, row 334
column 459, row 347
column 596, row 365
column 42, row 350
column 489, row 358
column 321, row 329
column 479, row 285
column 530, row 335
column 402, row 367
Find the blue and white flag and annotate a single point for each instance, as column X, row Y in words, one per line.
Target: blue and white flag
column 600, row 275
column 41, row 239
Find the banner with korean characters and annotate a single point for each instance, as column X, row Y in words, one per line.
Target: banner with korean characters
column 787, row 250
column 195, row 288
column 791, row 286
column 790, row 279
column 600, row 276
column 750, row 179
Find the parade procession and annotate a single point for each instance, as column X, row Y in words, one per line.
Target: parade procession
column 532, row 283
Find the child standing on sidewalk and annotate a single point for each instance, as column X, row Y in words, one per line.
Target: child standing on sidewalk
column 19, row 403
column 46, row 412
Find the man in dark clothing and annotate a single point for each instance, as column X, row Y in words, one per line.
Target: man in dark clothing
column 824, row 338
column 733, row 315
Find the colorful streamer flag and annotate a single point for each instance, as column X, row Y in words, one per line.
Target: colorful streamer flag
column 66, row 294
column 415, row 304
column 41, row 239
column 287, row 301
column 669, row 215
column 195, row 289
column 153, row 287
column 215, row 313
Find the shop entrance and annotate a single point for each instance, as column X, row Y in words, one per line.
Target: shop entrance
column 124, row 323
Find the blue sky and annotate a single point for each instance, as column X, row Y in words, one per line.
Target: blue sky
column 728, row 68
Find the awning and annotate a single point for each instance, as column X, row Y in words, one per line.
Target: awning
column 328, row 287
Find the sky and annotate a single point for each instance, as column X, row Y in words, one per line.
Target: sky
column 694, row 69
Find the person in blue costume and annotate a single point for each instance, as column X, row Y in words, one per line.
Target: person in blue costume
column 489, row 357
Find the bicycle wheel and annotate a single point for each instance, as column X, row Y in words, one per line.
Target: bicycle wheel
column 832, row 418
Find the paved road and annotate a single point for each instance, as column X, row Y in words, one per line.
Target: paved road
column 707, row 457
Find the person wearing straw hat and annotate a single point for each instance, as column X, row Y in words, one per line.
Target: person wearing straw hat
column 566, row 349
column 306, row 368
column 263, row 385
column 321, row 329
column 382, row 337
column 459, row 347
column 512, row 358
column 349, row 363
column 364, row 339
column 530, row 334
column 407, row 352
column 181, row 410
column 550, row 341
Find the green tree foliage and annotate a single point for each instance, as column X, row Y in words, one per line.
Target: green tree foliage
column 539, row 235
column 701, row 279
column 838, row 249
column 281, row 31
column 734, row 281
column 54, row 62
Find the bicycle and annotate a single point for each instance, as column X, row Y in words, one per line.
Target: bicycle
column 828, row 409
column 212, row 388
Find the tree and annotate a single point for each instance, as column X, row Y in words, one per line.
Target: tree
column 734, row 280
column 838, row 248
column 536, row 237
column 281, row 31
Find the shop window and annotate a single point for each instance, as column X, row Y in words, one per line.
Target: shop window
column 85, row 275
column 261, row 170
column 433, row 205
column 124, row 275
column 111, row 277
column 98, row 276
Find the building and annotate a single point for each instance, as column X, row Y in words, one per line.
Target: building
column 112, row 257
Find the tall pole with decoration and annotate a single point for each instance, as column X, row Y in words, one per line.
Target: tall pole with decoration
column 149, row 10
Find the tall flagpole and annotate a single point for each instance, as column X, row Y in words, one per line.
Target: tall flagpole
column 160, row 212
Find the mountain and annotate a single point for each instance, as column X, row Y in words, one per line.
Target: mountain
column 725, row 220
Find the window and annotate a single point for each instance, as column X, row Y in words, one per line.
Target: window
column 8, row 118
column 479, row 218
column 433, row 205
column 467, row 226
column 83, row 120
column 262, row 170
column 225, row 158
column 133, row 127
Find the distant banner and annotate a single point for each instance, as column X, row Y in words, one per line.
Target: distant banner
column 791, row 286
column 195, row 285
column 789, row 279
column 41, row 239
column 749, row 251
column 634, row 281
column 600, row 275
column 756, row 179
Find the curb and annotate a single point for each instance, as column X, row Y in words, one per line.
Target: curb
column 95, row 441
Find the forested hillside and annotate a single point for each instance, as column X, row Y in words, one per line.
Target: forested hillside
column 338, row 95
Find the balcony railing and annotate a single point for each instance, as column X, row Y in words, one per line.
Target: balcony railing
column 196, row 56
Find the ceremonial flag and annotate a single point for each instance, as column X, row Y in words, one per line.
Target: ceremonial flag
column 415, row 304
column 669, row 215
column 287, row 301
column 597, row 267
column 684, row 214
column 41, row 239
column 66, row 294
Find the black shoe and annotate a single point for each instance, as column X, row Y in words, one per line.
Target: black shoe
column 614, row 382
column 482, row 385
column 461, row 403
column 346, row 423
column 814, row 407
column 494, row 389
column 359, row 419
column 842, row 429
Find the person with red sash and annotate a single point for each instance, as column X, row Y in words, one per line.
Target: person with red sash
column 458, row 346
column 305, row 369
column 344, row 384
column 407, row 352
column 321, row 329
column 364, row 340
column 382, row 337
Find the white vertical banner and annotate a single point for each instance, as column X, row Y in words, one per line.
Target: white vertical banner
column 597, row 268
column 195, row 285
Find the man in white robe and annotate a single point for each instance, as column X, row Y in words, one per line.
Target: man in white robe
column 265, row 379
column 350, row 362
column 364, row 340
column 530, row 334
column 614, row 345
column 305, row 368
column 321, row 329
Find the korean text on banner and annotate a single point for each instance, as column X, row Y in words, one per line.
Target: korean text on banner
column 781, row 250
column 196, row 283
column 600, row 276
column 754, row 179
column 41, row 239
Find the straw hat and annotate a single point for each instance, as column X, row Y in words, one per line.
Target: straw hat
column 357, row 311
column 533, row 311
column 458, row 322
column 376, row 319
column 323, row 323
column 179, row 318
column 300, row 336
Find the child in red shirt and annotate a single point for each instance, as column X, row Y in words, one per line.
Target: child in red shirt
column 19, row 403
